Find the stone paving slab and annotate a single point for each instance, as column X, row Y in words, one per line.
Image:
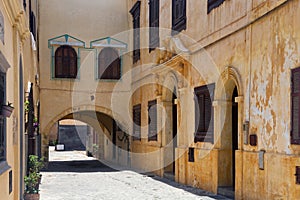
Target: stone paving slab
column 74, row 176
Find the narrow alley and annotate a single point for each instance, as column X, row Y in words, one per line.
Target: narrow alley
column 72, row 175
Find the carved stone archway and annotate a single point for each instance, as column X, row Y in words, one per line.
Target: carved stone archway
column 169, row 130
column 229, row 91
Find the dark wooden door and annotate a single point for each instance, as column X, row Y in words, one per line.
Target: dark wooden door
column 174, row 128
column 114, row 139
column 234, row 133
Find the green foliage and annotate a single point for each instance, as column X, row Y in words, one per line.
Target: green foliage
column 33, row 178
column 53, row 142
column 95, row 148
column 35, row 164
column 26, row 106
column 32, row 181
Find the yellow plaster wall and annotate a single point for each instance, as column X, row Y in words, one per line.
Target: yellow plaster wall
column 16, row 43
column 87, row 22
column 259, row 40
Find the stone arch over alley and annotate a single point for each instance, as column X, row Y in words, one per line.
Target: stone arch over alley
column 111, row 136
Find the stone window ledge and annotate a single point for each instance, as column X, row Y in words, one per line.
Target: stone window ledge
column 4, row 167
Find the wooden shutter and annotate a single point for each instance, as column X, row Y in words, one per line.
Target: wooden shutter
column 153, row 24
column 137, row 122
column 211, row 4
column 295, row 96
column 204, row 114
column 32, row 23
column 65, row 62
column 58, row 63
column 135, row 12
column 152, row 120
column 116, row 72
column 109, row 64
column 2, row 101
column 72, row 63
column 178, row 15
column 297, row 174
column 191, row 154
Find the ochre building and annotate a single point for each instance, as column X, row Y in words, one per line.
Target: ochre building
column 208, row 95
column 19, row 84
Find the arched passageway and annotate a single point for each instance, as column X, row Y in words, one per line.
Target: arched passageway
column 95, row 132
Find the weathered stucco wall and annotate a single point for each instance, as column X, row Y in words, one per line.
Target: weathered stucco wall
column 249, row 44
column 15, row 48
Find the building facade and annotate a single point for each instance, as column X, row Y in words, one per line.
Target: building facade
column 79, row 41
column 222, row 76
column 19, row 78
column 207, row 95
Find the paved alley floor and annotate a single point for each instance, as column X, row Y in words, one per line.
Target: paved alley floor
column 73, row 176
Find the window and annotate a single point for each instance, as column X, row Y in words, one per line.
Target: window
column 24, row 4
column 191, row 154
column 178, row 15
column 2, row 119
column 297, row 174
column 10, row 188
column 295, row 96
column 152, row 121
column 211, row 4
column 109, row 64
column 153, row 24
column 65, row 62
column 32, row 22
column 135, row 12
column 204, row 114
column 137, row 122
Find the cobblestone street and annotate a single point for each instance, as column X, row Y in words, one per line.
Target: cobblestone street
column 72, row 175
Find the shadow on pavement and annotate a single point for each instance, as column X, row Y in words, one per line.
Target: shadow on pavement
column 78, row 166
column 192, row 190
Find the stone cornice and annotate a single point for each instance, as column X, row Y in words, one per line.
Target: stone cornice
column 17, row 17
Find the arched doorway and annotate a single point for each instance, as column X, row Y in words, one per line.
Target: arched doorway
column 234, row 145
column 228, row 112
column 169, row 132
column 174, row 128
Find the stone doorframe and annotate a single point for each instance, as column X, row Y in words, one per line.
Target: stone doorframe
column 228, row 80
column 170, row 86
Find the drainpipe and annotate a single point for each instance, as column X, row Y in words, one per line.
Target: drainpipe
column 21, row 117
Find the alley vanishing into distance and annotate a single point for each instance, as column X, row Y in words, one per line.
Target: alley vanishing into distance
column 72, row 175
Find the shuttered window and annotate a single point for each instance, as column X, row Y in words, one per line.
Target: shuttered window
column 153, row 24
column 297, row 174
column 152, row 120
column 135, row 12
column 178, row 15
column 32, row 22
column 109, row 64
column 137, row 122
column 211, row 4
column 295, row 96
column 65, row 62
column 191, row 154
column 204, row 131
column 2, row 119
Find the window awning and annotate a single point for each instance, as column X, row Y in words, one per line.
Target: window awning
column 108, row 42
column 65, row 40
